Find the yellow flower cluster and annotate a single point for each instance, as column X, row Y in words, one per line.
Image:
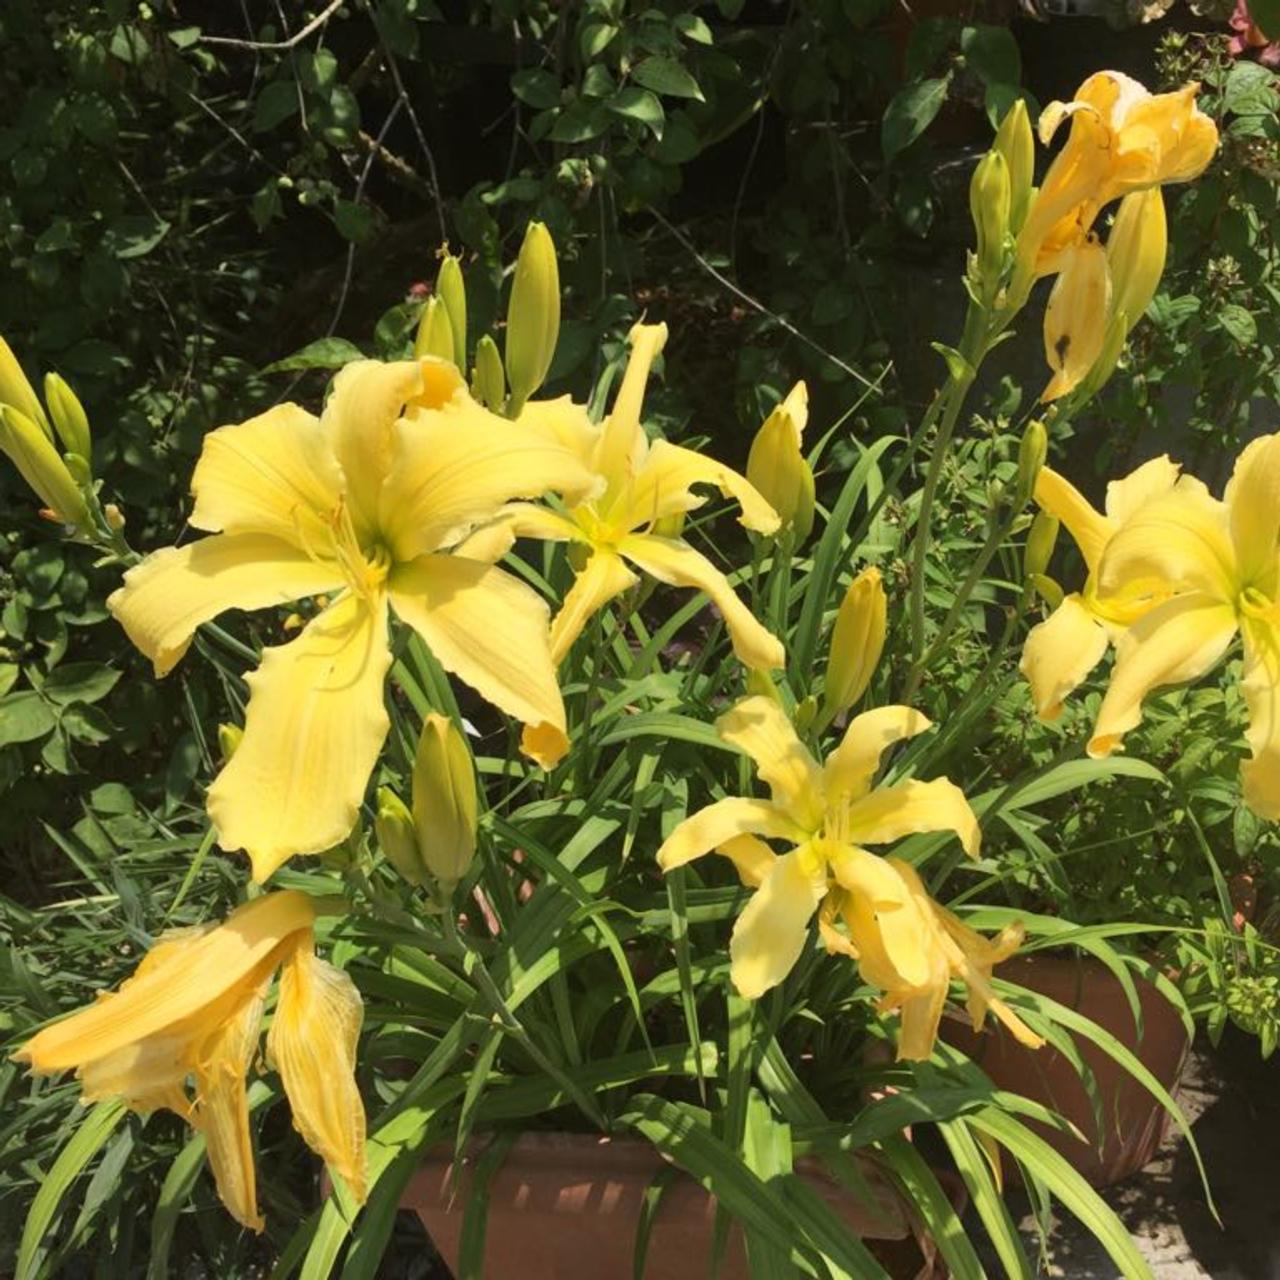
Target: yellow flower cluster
column 1175, row 575
column 399, row 500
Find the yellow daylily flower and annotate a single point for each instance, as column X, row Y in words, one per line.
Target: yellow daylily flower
column 1122, row 139
column 1060, row 652
column 643, row 484
column 190, row 1018
column 825, row 813
column 1215, row 566
column 370, row 501
column 911, row 947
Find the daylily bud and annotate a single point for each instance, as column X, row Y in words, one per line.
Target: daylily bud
column 533, row 316
column 488, row 382
column 1048, row 588
column 78, row 468
column 68, row 416
column 1015, row 143
column 1136, row 252
column 1041, row 539
column 15, row 390
column 114, row 517
column 777, row 467
column 393, row 825
column 41, row 467
column 671, row 526
column 989, row 207
column 761, row 683
column 230, row 736
column 1075, row 319
column 444, row 801
column 1112, row 347
column 1032, row 452
column 435, row 332
column 857, row 641
column 805, row 714
column 452, row 291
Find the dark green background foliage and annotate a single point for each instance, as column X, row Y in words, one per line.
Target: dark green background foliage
column 190, row 194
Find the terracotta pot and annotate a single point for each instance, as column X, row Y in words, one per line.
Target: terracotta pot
column 1135, row 1123
column 567, row 1205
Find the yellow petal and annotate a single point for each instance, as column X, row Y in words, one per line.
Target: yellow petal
column 773, row 927
column 1178, row 641
column 718, row 823
column 1125, row 497
column 623, row 445
column 312, row 734
column 196, row 974
column 491, row 631
column 1059, row 653
column 921, row 1016
column 759, row 727
column 1181, row 541
column 854, row 763
column 368, row 398
column 491, row 541
column 1090, row 529
column 1075, row 318
column 751, row 857
column 312, row 1043
column 664, row 486
column 889, row 813
column 454, row 468
column 1260, row 682
column 145, row 1076
column 602, row 578
column 275, row 474
column 679, row 565
column 886, row 922
column 222, row 1109
column 166, row 597
column 564, row 422
column 1253, row 501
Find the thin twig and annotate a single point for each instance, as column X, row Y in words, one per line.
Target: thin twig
column 782, row 321
column 278, row 45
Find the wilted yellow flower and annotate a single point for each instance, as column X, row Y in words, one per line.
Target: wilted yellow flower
column 1122, row 139
column 190, row 1018
column 857, row 641
column 824, row 813
column 1075, row 321
column 644, row 484
column 44, row 471
column 369, row 500
column 777, row 467
column 1213, row 569
column 444, row 801
column 911, row 947
column 1061, row 651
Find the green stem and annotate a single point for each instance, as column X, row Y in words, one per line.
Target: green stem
column 474, row 968
column 974, row 343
